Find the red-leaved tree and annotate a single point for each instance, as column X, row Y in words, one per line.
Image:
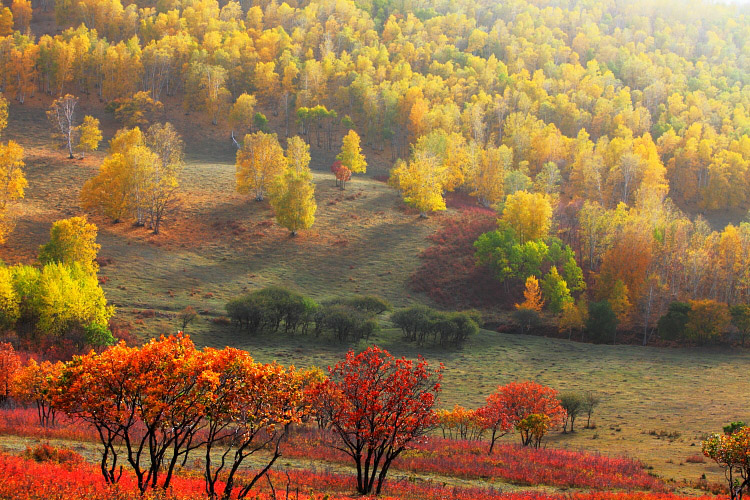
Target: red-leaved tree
column 507, row 408
column 335, row 167
column 377, row 406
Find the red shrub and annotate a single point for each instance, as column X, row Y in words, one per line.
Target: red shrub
column 28, row 480
column 518, row 465
column 449, row 275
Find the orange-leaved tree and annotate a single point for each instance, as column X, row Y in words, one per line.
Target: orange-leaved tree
column 248, row 409
column 509, row 406
column 10, row 362
column 32, row 384
column 148, row 399
column 731, row 451
column 157, row 403
column 532, row 295
column 460, row 423
column 377, row 406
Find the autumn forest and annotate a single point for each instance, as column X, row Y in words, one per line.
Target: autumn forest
column 412, row 249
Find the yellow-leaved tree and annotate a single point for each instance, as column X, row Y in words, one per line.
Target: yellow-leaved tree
column 293, row 193
column 487, row 179
column 21, row 14
column 10, row 309
column 3, row 113
column 89, row 134
column 241, row 116
column 298, row 154
column 528, row 214
column 351, row 154
column 6, row 21
column 120, row 187
column 72, row 241
column 421, row 182
column 109, row 192
column 162, row 176
column 532, row 295
column 12, row 184
column 259, row 162
column 70, row 297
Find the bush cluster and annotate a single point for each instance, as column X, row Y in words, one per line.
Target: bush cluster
column 420, row 323
column 274, row 308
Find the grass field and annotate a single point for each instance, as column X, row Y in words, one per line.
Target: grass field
column 221, row 244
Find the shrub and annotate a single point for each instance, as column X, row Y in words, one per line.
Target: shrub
column 46, row 453
column 671, row 325
column 246, row 311
column 97, row 335
column 414, row 322
column 526, row 319
column 344, row 322
column 420, row 322
column 733, row 427
column 453, row 327
column 369, row 304
column 602, row 322
column 270, row 307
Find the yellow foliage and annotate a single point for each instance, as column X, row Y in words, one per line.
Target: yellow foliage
column 70, row 295
column 528, row 214
column 9, row 301
column 108, row 193
column 241, row 115
column 72, row 241
column 421, row 183
column 293, row 200
column 351, row 153
column 89, row 134
column 487, row 180
column 259, row 161
column 533, row 295
column 21, row 14
column 12, row 183
column 298, row 155
column 3, row 113
column 6, row 21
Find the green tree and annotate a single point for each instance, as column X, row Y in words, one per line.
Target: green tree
column 602, row 322
column 741, row 320
column 573, row 404
column 671, row 326
column 555, row 290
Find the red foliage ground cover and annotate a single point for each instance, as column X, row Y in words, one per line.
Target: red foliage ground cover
column 25, row 479
column 466, row 459
column 25, row 422
column 509, row 462
column 449, row 274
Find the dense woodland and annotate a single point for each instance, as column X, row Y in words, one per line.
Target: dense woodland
column 613, row 126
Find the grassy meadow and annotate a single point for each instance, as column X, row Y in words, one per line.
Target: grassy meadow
column 221, row 244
